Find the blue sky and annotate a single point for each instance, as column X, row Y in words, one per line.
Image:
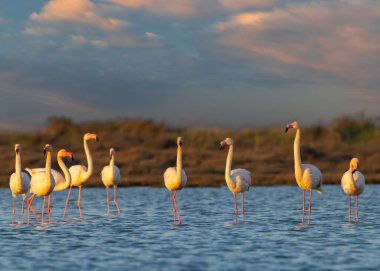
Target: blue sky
column 218, row 63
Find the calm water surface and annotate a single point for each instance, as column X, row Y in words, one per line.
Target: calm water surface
column 143, row 237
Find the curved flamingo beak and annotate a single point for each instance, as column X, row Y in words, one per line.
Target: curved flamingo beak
column 17, row 151
column 180, row 143
column 289, row 126
column 44, row 152
column 222, row 143
column 70, row 155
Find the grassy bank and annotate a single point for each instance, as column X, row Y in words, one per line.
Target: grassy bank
column 145, row 149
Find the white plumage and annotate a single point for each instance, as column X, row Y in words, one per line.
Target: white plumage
column 238, row 180
column 308, row 176
column 42, row 184
column 81, row 174
column 353, row 181
column 111, row 177
column 175, row 179
column 311, row 178
column 353, row 184
column 242, row 179
column 19, row 183
column 170, row 178
column 62, row 181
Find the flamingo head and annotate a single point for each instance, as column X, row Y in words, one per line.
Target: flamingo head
column 354, row 164
column 89, row 136
column 47, row 148
column 17, row 148
column 179, row 141
column 293, row 125
column 64, row 153
column 228, row 141
column 112, row 152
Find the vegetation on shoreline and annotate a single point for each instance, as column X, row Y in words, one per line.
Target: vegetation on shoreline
column 145, row 149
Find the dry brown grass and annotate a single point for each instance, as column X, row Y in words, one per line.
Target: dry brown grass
column 145, row 149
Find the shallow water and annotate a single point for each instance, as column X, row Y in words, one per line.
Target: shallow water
column 143, row 237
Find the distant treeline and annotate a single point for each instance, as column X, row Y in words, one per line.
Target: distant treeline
column 145, row 149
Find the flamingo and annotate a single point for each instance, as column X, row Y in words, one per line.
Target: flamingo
column 353, row 184
column 19, row 183
column 111, row 177
column 308, row 176
column 238, row 180
column 62, row 182
column 42, row 183
column 79, row 173
column 175, row 179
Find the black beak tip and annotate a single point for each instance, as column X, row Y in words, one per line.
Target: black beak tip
column 17, row 151
column 180, row 143
column 286, row 129
column 72, row 158
column 354, row 171
column 97, row 139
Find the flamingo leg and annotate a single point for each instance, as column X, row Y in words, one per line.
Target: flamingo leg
column 49, row 213
column 43, row 210
column 13, row 209
column 235, row 203
column 108, row 202
column 357, row 208
column 30, row 207
column 173, row 209
column 349, row 208
column 115, row 200
column 22, row 208
column 303, row 205
column 79, row 207
column 176, row 208
column 242, row 203
column 67, row 201
column 310, row 200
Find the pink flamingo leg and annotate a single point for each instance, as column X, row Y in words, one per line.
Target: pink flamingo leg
column 13, row 209
column 349, row 208
column 303, row 205
column 108, row 202
column 242, row 200
column 30, row 207
column 235, row 202
column 22, row 208
column 173, row 209
column 49, row 213
column 176, row 208
column 357, row 208
column 67, row 201
column 43, row 210
column 115, row 200
column 310, row 200
column 79, row 207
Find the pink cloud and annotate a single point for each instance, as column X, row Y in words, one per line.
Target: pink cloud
column 332, row 38
column 82, row 12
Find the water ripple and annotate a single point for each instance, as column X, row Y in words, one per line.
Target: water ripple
column 143, row 237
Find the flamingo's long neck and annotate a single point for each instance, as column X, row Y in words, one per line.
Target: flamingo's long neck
column 297, row 156
column 179, row 165
column 65, row 171
column 48, row 168
column 18, row 169
column 229, row 181
column 90, row 166
column 112, row 165
column 351, row 178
